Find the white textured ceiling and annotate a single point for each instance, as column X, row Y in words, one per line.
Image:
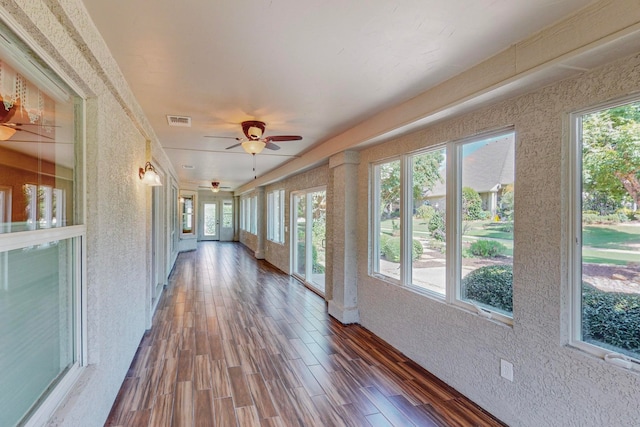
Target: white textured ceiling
column 312, row 68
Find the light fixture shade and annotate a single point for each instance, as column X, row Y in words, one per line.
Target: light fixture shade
column 149, row 176
column 215, row 189
column 6, row 132
column 253, row 146
column 215, row 186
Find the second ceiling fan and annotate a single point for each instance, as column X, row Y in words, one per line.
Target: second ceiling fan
column 254, row 143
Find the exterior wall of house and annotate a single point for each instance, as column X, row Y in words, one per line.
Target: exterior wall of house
column 554, row 384
column 118, row 205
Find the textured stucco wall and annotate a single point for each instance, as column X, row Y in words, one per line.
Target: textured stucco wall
column 554, row 384
column 279, row 254
column 118, row 206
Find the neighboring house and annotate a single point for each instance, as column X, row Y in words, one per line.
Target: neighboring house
column 488, row 170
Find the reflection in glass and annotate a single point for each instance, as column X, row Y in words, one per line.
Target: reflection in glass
column 36, row 324
column 37, row 153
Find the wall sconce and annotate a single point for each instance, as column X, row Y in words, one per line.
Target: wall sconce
column 149, row 176
column 215, row 186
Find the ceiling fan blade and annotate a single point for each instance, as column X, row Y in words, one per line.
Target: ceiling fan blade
column 271, row 146
column 30, row 124
column 283, row 138
column 224, row 137
column 33, row 133
column 234, row 146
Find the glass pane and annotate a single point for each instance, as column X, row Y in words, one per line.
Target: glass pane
column 38, row 140
column 210, row 219
column 36, row 324
column 486, row 204
column 277, row 217
column 318, row 239
column 428, row 248
column 187, row 214
column 611, row 229
column 300, row 249
column 227, row 214
column 388, row 189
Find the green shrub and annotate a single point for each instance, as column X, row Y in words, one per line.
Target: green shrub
column 629, row 214
column 611, row 318
column 490, row 285
column 614, row 218
column 384, row 238
column 487, row 248
column 425, row 213
column 436, row 226
column 391, row 249
column 471, row 205
column 417, row 249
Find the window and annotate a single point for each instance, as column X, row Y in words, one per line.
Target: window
column 443, row 222
column 40, row 267
column 386, row 222
column 254, row 215
column 186, row 208
column 275, row 216
column 485, row 223
column 606, row 232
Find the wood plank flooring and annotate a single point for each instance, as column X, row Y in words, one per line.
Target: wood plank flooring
column 235, row 342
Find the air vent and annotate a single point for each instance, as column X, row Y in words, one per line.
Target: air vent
column 188, row 167
column 182, row 121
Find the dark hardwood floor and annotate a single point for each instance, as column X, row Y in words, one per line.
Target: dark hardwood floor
column 236, row 342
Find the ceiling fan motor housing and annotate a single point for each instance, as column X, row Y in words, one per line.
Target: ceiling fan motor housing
column 253, row 129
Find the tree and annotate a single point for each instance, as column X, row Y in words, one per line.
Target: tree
column 611, row 153
column 426, row 172
column 471, row 205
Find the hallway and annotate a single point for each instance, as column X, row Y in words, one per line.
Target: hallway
column 236, row 342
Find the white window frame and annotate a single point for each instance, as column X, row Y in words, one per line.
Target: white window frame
column 453, row 223
column 574, row 242
column 374, row 265
column 76, row 234
column 254, row 215
column 275, row 216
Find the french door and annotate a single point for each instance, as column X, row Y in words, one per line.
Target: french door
column 308, row 215
column 210, row 221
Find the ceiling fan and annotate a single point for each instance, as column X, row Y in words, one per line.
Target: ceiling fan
column 254, row 143
column 7, row 129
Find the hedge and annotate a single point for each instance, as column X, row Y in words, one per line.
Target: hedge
column 609, row 318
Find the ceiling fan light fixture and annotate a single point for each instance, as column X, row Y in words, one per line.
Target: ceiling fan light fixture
column 215, row 186
column 6, row 132
column 253, row 146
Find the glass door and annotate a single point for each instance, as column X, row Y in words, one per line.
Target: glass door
column 210, row 221
column 226, row 228
column 309, row 245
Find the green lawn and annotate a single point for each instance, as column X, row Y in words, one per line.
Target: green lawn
column 619, row 236
column 603, row 244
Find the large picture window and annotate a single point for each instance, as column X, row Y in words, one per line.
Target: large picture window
column 443, row 222
column 41, row 144
column 606, row 237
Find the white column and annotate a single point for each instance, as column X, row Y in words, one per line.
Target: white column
column 343, row 304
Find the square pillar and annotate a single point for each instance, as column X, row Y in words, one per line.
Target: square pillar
column 343, row 304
